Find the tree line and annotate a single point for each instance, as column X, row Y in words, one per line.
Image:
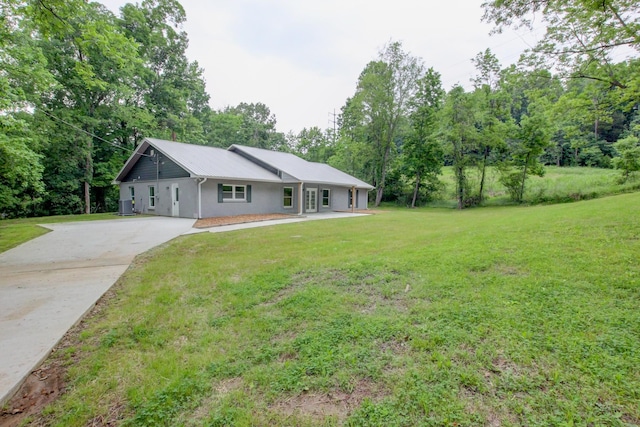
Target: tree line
column 83, row 86
column 567, row 102
column 401, row 127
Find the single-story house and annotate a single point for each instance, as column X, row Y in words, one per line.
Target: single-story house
column 196, row 181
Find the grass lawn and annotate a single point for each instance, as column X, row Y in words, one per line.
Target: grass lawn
column 14, row 232
column 500, row 316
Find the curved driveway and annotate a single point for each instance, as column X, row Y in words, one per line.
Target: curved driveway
column 49, row 283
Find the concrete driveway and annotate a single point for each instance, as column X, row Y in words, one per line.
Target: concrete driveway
column 49, row 283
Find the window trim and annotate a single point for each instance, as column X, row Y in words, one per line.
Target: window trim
column 233, row 193
column 152, row 197
column 328, row 190
column 285, row 197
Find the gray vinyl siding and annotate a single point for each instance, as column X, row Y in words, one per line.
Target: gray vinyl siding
column 339, row 197
column 288, row 178
column 188, row 196
column 145, row 169
column 266, row 198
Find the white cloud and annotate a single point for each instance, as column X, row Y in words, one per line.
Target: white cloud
column 302, row 59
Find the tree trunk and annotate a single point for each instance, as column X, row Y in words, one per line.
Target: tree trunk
column 383, row 175
column 524, row 177
column 88, row 173
column 379, row 192
column 484, row 170
column 460, row 186
column 415, row 190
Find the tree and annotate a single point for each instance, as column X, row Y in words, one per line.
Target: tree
column 23, row 75
column 629, row 155
column 257, row 126
column 169, row 86
column 492, row 111
column 460, row 136
column 422, row 152
column 532, row 136
column 93, row 64
column 312, row 144
column 380, row 105
column 20, row 168
column 579, row 33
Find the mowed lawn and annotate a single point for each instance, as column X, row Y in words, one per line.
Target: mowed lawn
column 497, row 316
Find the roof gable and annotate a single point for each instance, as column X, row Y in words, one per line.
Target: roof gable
column 299, row 168
column 202, row 161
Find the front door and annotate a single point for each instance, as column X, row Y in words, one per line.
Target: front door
column 311, row 200
column 175, row 200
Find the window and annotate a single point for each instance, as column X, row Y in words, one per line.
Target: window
column 288, row 197
column 326, row 197
column 132, row 193
column 152, row 197
column 234, row 192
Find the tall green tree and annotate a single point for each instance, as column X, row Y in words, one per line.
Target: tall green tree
column 93, row 64
column 493, row 116
column 532, row 136
column 422, row 152
column 23, row 75
column 460, row 137
column 381, row 105
column 168, row 85
column 312, row 144
column 254, row 126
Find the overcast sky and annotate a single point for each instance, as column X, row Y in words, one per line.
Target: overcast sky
column 302, row 58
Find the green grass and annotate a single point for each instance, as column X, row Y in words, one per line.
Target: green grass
column 558, row 185
column 499, row 316
column 14, row 232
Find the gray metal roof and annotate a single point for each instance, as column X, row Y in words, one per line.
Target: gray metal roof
column 301, row 169
column 203, row 161
column 242, row 163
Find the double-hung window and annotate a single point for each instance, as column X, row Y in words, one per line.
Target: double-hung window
column 326, row 197
column 152, row 197
column 287, row 200
column 234, row 193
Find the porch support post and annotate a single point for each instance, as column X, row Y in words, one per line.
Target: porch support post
column 353, row 199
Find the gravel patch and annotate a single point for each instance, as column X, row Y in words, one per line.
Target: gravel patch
column 239, row 219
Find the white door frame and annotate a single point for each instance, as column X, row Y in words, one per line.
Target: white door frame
column 175, row 199
column 311, row 203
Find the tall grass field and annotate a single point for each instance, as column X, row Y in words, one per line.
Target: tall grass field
column 558, row 185
column 503, row 316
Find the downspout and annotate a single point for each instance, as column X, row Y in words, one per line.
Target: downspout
column 200, row 197
column 300, row 201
